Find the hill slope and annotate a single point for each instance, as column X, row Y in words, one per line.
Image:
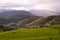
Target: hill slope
column 22, row 23
column 41, row 21
column 56, row 20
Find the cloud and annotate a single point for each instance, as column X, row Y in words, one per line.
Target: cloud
column 30, row 4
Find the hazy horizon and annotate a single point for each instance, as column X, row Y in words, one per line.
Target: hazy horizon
column 51, row 5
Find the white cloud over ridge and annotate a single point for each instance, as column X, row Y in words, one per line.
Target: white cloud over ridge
column 30, row 4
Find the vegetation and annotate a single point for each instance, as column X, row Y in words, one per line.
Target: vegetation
column 56, row 20
column 5, row 28
column 41, row 21
column 22, row 23
column 34, row 28
column 47, row 33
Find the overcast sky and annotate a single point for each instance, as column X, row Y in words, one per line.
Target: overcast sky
column 53, row 5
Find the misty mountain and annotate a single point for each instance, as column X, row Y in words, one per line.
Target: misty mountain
column 14, row 16
column 43, row 12
column 2, row 10
column 12, row 13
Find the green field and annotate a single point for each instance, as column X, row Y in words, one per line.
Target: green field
column 46, row 33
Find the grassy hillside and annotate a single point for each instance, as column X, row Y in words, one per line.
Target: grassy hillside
column 50, row 33
column 22, row 23
column 41, row 21
column 33, row 21
column 56, row 20
column 30, row 21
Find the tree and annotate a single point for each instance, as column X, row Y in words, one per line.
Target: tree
column 2, row 27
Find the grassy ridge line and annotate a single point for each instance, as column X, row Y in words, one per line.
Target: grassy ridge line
column 52, row 20
column 26, row 21
column 57, row 20
column 36, row 21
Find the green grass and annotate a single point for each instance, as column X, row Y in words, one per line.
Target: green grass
column 50, row 33
column 55, row 26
